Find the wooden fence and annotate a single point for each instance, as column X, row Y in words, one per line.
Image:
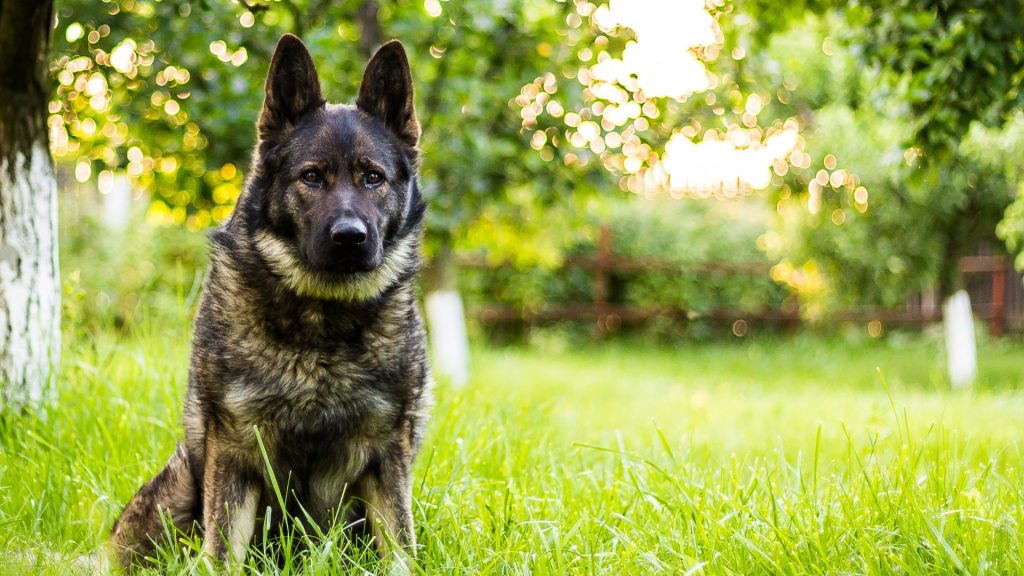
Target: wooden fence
column 996, row 290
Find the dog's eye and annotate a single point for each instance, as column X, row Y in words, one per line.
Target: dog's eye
column 372, row 179
column 312, row 177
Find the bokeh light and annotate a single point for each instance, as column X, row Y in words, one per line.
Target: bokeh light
column 662, row 60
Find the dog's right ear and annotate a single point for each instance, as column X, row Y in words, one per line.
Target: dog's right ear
column 293, row 90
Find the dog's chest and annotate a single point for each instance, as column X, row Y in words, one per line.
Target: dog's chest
column 315, row 386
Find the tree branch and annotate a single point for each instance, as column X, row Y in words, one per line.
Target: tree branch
column 253, row 7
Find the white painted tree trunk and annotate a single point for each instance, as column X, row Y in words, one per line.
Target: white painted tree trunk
column 961, row 348
column 29, row 279
column 117, row 204
column 446, row 321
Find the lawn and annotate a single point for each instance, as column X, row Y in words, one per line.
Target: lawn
column 802, row 455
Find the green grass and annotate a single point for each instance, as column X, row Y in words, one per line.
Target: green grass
column 787, row 456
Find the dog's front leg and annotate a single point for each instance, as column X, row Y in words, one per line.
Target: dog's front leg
column 231, row 494
column 386, row 488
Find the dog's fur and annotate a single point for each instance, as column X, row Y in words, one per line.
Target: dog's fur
column 308, row 329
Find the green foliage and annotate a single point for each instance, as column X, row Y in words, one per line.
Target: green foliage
column 679, row 236
column 954, row 65
column 690, row 234
column 170, row 90
column 140, row 89
column 114, row 278
column 952, row 62
column 843, row 237
column 1011, row 142
column 883, row 238
column 895, row 93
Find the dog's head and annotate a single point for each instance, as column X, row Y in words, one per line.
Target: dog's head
column 335, row 188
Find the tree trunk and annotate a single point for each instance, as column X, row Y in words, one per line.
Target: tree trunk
column 446, row 317
column 950, row 279
column 29, row 280
column 439, row 273
column 371, row 34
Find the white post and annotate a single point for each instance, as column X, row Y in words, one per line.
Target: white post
column 446, row 322
column 961, row 349
column 117, row 203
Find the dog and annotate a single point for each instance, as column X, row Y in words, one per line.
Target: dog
column 308, row 347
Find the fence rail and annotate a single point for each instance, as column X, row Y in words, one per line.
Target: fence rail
column 994, row 300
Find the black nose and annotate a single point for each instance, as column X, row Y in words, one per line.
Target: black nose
column 348, row 232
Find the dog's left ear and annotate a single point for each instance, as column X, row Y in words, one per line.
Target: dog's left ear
column 386, row 92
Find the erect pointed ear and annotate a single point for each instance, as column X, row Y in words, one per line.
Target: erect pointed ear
column 293, row 90
column 386, row 92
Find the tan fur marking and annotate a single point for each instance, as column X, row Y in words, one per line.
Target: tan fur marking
column 229, row 505
column 244, row 525
column 387, row 493
column 304, row 281
column 380, row 513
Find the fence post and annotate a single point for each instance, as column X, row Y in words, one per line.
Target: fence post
column 998, row 299
column 602, row 278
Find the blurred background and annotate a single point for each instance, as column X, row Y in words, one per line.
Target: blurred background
column 666, row 170
column 712, row 272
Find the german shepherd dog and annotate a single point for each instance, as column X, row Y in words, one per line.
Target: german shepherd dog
column 308, row 339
